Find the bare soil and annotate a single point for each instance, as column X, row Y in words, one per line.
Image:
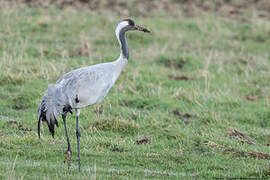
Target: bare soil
column 230, row 8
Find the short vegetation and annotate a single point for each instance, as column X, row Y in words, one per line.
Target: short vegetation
column 193, row 101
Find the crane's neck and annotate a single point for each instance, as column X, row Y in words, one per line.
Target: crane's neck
column 121, row 37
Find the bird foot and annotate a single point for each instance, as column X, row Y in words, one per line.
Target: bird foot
column 68, row 157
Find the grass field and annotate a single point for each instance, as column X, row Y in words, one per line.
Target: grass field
column 193, row 101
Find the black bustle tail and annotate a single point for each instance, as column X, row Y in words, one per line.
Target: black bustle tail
column 48, row 110
column 50, row 107
column 51, row 120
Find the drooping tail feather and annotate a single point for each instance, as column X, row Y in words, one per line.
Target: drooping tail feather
column 48, row 110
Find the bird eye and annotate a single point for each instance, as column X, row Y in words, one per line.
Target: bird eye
column 130, row 22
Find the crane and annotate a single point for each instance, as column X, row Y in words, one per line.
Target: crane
column 83, row 87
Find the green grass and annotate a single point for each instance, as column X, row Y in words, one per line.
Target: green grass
column 226, row 60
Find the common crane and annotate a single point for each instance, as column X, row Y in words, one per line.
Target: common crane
column 84, row 87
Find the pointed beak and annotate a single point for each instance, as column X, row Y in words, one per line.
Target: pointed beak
column 139, row 28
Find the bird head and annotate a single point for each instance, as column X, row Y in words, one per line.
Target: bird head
column 128, row 25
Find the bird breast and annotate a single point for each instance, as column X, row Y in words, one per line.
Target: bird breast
column 93, row 86
column 89, row 95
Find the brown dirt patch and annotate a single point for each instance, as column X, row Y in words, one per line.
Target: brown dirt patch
column 117, row 149
column 251, row 97
column 242, row 153
column 179, row 77
column 143, row 141
column 233, row 133
column 183, row 116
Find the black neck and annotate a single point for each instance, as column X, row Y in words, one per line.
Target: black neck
column 123, row 43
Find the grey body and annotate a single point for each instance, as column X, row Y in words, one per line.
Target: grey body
column 88, row 85
column 83, row 87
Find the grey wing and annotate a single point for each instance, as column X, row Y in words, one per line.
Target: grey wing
column 85, row 86
column 92, row 87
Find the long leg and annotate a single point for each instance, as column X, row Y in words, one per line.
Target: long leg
column 69, row 151
column 78, row 134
